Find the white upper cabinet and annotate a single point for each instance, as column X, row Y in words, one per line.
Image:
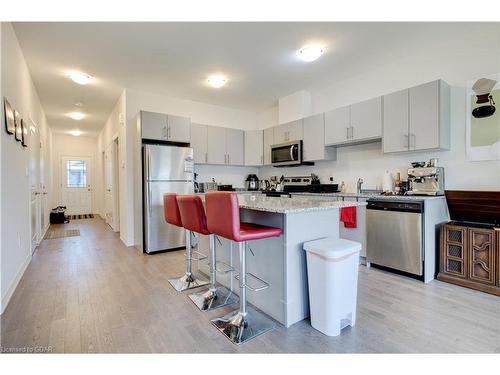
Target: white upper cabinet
column 225, row 146
column 337, row 124
column 179, row 129
column 216, row 149
column 163, row 127
column 396, row 117
column 417, row 118
column 291, row 131
column 314, row 140
column 268, row 142
column 429, row 125
column 357, row 123
column 199, row 142
column 154, row 125
column 254, row 147
column 235, row 147
column 366, row 120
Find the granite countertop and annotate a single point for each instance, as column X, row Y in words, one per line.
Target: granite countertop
column 371, row 196
column 285, row 205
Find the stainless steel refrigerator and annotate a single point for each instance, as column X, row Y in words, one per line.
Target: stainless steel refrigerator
column 165, row 169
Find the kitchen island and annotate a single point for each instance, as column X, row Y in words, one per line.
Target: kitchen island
column 279, row 261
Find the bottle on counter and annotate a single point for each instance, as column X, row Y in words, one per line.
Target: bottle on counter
column 342, row 187
column 397, row 184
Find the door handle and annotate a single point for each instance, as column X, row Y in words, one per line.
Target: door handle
column 352, row 132
column 227, row 158
column 347, row 132
column 206, row 157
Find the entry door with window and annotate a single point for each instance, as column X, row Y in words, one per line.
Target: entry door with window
column 76, row 185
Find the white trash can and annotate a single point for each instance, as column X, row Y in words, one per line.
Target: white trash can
column 332, row 270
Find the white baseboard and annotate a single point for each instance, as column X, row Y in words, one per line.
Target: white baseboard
column 15, row 282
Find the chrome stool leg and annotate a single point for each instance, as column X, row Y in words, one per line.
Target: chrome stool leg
column 189, row 280
column 214, row 297
column 246, row 323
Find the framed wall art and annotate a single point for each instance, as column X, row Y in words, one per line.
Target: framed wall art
column 483, row 119
column 10, row 126
column 19, row 129
column 24, row 127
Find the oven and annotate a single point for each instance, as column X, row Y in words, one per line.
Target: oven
column 286, row 154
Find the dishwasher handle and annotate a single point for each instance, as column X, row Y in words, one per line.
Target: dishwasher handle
column 399, row 206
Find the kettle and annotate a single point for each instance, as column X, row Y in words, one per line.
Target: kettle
column 252, row 182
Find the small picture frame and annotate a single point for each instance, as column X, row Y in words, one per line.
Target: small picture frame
column 24, row 127
column 10, row 125
column 19, row 129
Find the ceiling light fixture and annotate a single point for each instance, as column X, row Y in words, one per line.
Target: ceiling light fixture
column 80, row 78
column 76, row 115
column 310, row 52
column 217, row 81
column 75, row 133
column 79, row 104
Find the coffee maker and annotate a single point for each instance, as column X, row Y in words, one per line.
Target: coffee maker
column 426, row 181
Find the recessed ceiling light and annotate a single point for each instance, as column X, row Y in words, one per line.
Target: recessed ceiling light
column 310, row 52
column 75, row 133
column 217, row 81
column 79, row 104
column 76, row 115
column 80, row 78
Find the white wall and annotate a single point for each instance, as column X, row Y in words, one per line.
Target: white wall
column 68, row 145
column 17, row 86
column 456, row 59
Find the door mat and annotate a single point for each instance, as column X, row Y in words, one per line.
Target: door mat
column 53, row 234
column 80, row 217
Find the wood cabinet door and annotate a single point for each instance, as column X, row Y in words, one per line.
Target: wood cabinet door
column 216, row 145
column 337, row 126
column 235, row 146
column 454, row 251
column 199, row 143
column 153, row 125
column 254, row 147
column 395, row 123
column 482, row 257
column 366, row 119
column 314, row 138
column 268, row 142
column 179, row 129
column 424, row 116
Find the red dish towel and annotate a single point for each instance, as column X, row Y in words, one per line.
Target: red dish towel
column 348, row 216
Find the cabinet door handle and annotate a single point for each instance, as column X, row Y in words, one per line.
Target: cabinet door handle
column 352, row 132
column 206, row 157
column 347, row 132
column 227, row 158
column 261, row 159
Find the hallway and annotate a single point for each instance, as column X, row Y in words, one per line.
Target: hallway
column 93, row 294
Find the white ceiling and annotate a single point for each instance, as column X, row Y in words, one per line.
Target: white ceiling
column 175, row 58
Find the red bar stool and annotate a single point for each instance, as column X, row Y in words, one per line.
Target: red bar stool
column 172, row 215
column 223, row 219
column 194, row 219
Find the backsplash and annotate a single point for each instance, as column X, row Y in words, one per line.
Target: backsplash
column 223, row 174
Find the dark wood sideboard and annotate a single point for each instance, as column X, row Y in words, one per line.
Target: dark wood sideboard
column 470, row 257
column 470, row 244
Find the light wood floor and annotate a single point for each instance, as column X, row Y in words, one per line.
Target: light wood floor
column 93, row 294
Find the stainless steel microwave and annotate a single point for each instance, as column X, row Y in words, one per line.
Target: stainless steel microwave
column 286, row 154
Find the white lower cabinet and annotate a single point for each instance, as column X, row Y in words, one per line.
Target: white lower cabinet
column 254, row 147
column 314, row 140
column 199, row 143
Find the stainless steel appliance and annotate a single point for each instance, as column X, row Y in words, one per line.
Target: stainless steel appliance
column 394, row 234
column 287, row 154
column 165, row 169
column 426, row 181
column 252, row 182
column 207, row 186
column 307, row 184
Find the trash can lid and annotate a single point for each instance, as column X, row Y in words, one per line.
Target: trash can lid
column 333, row 248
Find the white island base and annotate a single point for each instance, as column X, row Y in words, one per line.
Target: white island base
column 280, row 261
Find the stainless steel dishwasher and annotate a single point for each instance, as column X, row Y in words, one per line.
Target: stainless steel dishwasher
column 394, row 235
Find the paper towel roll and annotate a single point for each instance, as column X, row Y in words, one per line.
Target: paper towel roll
column 387, row 183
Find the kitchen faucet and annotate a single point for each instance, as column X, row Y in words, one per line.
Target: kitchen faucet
column 358, row 189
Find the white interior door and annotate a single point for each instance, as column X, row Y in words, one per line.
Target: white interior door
column 36, row 190
column 76, row 184
column 108, row 185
